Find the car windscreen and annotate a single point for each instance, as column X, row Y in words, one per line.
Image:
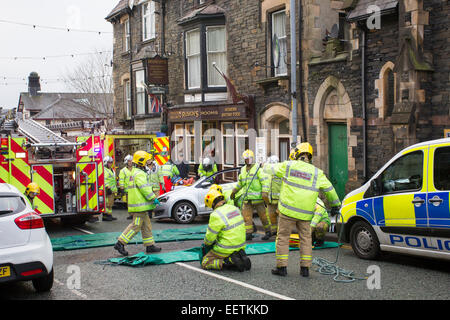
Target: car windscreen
column 11, row 205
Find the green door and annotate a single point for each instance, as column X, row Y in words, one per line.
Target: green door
column 337, row 147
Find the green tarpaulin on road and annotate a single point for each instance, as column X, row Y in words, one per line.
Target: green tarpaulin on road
column 193, row 254
column 110, row 238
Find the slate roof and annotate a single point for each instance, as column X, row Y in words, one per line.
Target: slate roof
column 360, row 9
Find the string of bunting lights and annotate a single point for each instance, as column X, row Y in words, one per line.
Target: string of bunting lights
column 73, row 55
column 34, row 26
column 46, row 81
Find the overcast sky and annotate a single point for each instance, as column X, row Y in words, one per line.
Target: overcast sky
column 16, row 41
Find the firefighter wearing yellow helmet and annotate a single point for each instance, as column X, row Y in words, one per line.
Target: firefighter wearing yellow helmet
column 251, row 180
column 32, row 190
column 224, row 242
column 299, row 192
column 141, row 201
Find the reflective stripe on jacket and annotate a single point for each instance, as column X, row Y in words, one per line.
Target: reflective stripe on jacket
column 203, row 173
column 140, row 192
column 255, row 189
column 300, row 188
column 124, row 176
column 273, row 187
column 169, row 170
column 110, row 180
column 226, row 230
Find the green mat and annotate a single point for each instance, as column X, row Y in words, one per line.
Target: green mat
column 193, row 254
column 110, row 238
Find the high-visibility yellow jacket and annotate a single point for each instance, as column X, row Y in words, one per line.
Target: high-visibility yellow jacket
column 320, row 214
column 203, row 173
column 168, row 170
column 272, row 185
column 140, row 192
column 124, row 176
column 154, row 179
column 110, row 180
column 300, row 189
column 226, row 230
column 256, row 186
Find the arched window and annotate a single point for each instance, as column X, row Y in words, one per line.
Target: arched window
column 390, row 92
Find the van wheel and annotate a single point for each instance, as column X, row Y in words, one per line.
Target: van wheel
column 43, row 284
column 364, row 241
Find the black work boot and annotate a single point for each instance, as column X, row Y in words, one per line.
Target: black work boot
column 245, row 259
column 152, row 249
column 248, row 237
column 234, row 262
column 280, row 271
column 304, row 272
column 267, row 236
column 121, row 248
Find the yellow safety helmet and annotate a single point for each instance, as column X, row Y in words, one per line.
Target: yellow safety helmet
column 141, row 157
column 304, row 147
column 216, row 187
column 248, row 154
column 32, row 187
column 212, row 197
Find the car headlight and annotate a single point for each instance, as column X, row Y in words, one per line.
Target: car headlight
column 163, row 199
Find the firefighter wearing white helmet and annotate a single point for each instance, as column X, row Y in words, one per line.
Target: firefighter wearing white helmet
column 299, row 192
column 124, row 176
column 272, row 186
column 207, row 168
column 110, row 188
column 251, row 180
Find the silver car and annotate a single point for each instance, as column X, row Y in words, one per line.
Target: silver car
column 184, row 203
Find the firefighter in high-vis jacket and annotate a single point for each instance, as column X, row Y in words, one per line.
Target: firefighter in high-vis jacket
column 251, row 179
column 224, row 242
column 207, row 168
column 301, row 185
column 124, row 176
column 111, row 188
column 271, row 194
column 167, row 172
column 141, row 200
column 32, row 191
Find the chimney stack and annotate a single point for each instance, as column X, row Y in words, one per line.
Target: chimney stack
column 34, row 84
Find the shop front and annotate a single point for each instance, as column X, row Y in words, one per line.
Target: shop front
column 220, row 131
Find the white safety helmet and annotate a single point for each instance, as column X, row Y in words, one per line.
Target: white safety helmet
column 107, row 159
column 128, row 158
column 206, row 162
column 273, row 159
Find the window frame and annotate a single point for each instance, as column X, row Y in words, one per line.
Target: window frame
column 127, row 35
column 137, row 91
column 207, row 53
column 272, row 20
column 434, row 167
column 127, row 99
column 151, row 15
column 199, row 55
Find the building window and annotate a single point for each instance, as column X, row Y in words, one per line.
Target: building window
column 127, row 40
column 217, row 53
column 127, row 99
column 279, row 43
column 390, row 93
column 190, row 143
column 148, row 21
column 204, row 48
column 193, row 59
column 140, row 92
column 242, row 140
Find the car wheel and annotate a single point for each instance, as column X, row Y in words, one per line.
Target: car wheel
column 43, row 284
column 364, row 241
column 184, row 212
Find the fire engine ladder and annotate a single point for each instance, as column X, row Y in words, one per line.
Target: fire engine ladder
column 37, row 133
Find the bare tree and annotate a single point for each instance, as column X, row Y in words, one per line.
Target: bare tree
column 93, row 77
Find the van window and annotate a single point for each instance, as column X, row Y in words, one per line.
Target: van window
column 405, row 174
column 442, row 168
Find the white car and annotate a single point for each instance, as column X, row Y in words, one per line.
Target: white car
column 26, row 252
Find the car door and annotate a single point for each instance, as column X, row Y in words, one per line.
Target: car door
column 402, row 200
column 439, row 187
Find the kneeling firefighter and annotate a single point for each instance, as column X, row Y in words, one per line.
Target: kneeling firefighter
column 224, row 243
column 141, row 200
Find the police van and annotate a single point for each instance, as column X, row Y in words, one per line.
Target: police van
column 404, row 207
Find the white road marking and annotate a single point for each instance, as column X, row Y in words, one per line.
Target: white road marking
column 76, row 292
column 82, row 230
column 243, row 284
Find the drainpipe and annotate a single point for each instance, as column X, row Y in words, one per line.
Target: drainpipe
column 363, row 99
column 300, row 72
column 131, row 69
column 163, row 26
column 293, row 74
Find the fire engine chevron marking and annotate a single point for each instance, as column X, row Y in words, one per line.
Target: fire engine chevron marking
column 43, row 176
